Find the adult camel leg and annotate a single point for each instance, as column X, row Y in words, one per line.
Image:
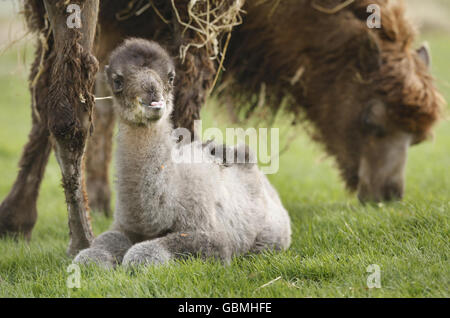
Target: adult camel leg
column 18, row 212
column 99, row 149
column 69, row 107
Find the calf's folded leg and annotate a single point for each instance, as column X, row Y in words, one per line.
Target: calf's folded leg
column 106, row 250
column 178, row 245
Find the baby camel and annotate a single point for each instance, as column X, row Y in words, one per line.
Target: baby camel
column 166, row 210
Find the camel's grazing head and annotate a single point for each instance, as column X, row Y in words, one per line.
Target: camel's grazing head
column 368, row 91
column 402, row 107
column 141, row 74
column 380, row 99
column 397, row 107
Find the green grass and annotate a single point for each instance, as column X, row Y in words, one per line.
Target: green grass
column 334, row 237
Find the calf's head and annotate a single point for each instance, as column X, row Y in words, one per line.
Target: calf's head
column 141, row 74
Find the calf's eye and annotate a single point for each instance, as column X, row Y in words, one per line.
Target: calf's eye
column 171, row 77
column 117, row 84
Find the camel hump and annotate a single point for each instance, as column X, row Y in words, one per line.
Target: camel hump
column 240, row 155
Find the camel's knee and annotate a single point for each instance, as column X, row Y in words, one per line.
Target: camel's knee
column 147, row 253
column 70, row 110
column 96, row 256
column 70, row 100
column 115, row 242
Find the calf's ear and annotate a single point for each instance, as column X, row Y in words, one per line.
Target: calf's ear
column 424, row 54
column 369, row 53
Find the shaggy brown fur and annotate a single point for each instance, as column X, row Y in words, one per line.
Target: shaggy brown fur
column 331, row 66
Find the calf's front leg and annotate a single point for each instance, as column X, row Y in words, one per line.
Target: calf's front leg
column 106, row 250
column 178, row 245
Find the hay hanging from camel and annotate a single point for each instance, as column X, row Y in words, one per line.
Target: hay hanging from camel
column 209, row 19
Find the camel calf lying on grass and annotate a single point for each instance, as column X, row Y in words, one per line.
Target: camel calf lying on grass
column 167, row 210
